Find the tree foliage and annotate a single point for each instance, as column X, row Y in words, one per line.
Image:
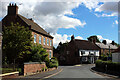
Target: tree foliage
column 93, row 38
column 16, row 42
column 39, row 54
column 60, row 48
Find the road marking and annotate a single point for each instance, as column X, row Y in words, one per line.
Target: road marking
column 53, row 74
column 77, row 65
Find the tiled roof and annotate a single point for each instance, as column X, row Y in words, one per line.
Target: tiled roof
column 118, row 50
column 85, row 45
column 34, row 26
column 107, row 46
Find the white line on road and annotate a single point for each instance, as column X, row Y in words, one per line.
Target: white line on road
column 53, row 74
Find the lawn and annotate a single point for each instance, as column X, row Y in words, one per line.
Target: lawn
column 8, row 70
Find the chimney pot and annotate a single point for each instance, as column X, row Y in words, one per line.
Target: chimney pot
column 12, row 9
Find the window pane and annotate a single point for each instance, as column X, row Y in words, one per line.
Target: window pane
column 39, row 39
column 47, row 41
column 35, row 38
column 44, row 41
column 50, row 42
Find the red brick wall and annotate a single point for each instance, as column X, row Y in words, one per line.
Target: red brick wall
column 47, row 47
column 34, row 67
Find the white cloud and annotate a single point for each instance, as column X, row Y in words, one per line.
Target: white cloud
column 108, row 41
column 78, row 37
column 60, row 38
column 101, row 38
column 116, row 22
column 108, row 7
column 106, row 15
column 50, row 15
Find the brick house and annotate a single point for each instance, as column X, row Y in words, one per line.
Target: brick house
column 40, row 36
column 106, row 48
column 78, row 51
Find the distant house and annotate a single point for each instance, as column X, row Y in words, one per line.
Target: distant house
column 40, row 35
column 106, row 48
column 116, row 56
column 78, row 51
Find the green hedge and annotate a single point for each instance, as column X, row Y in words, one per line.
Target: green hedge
column 108, row 66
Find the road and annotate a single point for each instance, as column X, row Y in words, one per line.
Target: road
column 78, row 71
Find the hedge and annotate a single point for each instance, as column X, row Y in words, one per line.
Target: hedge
column 108, row 67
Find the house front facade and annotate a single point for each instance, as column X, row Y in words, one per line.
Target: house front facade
column 39, row 35
column 78, row 51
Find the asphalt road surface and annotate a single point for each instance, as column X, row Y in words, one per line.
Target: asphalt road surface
column 78, row 71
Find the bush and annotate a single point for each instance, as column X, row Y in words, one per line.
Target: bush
column 39, row 54
column 53, row 63
column 108, row 66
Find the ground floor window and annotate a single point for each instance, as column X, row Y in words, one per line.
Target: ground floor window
column 50, row 55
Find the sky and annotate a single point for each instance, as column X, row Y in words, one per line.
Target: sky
column 81, row 18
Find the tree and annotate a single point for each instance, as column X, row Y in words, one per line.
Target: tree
column 16, row 43
column 38, row 53
column 93, row 39
column 61, row 47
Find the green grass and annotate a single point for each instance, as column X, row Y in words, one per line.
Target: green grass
column 8, row 70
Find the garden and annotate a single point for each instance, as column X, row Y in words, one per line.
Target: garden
column 18, row 49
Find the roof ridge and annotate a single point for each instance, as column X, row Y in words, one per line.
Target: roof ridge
column 35, row 26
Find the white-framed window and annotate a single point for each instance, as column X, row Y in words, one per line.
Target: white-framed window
column 50, row 42
column 34, row 38
column 39, row 39
column 82, row 52
column 47, row 41
column 44, row 40
column 50, row 55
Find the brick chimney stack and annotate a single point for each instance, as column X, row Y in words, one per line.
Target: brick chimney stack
column 72, row 37
column 12, row 9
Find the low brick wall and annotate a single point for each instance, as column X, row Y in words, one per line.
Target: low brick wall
column 33, row 67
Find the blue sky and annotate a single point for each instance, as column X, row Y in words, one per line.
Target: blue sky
column 63, row 19
column 95, row 25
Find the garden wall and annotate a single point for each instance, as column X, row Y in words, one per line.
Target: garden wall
column 33, row 67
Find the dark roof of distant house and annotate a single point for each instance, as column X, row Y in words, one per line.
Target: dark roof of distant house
column 106, row 46
column 85, row 45
column 118, row 50
column 34, row 26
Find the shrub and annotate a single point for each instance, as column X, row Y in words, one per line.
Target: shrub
column 53, row 63
column 39, row 54
column 108, row 66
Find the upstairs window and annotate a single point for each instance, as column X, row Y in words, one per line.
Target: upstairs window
column 47, row 41
column 39, row 39
column 50, row 42
column 34, row 38
column 44, row 40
